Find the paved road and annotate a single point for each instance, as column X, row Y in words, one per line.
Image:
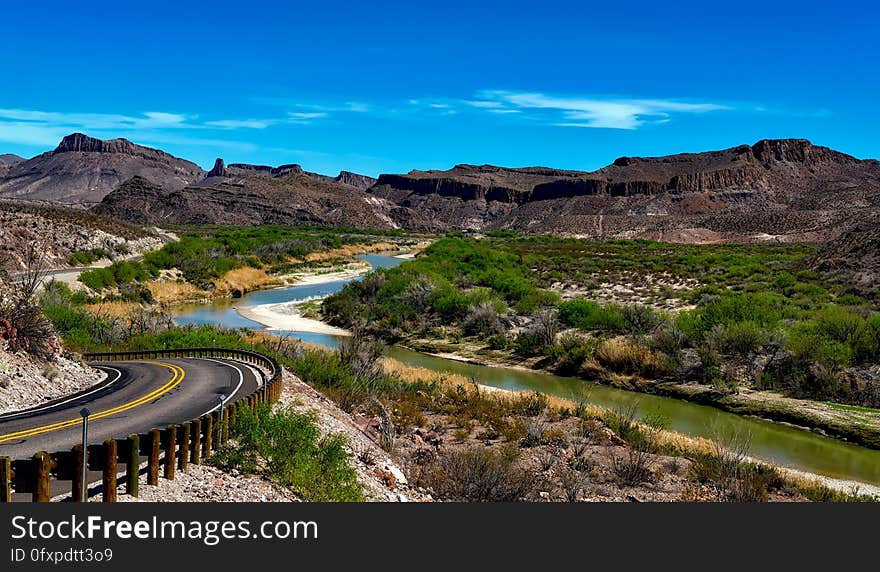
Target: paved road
column 137, row 396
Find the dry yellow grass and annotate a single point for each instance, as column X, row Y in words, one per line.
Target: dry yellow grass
column 243, row 280
column 113, row 309
column 166, row 292
column 622, row 354
column 350, row 250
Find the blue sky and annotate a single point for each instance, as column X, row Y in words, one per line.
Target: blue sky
column 387, row 87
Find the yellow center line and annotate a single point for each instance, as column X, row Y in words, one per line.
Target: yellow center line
column 176, row 378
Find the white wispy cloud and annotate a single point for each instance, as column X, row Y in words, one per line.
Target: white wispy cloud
column 593, row 112
column 42, row 128
column 307, row 114
column 241, row 123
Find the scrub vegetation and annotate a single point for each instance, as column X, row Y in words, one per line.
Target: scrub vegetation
column 727, row 317
column 205, row 254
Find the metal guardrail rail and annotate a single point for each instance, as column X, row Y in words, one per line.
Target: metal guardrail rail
column 172, row 448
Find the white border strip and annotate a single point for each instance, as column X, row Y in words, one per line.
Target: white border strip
column 237, row 387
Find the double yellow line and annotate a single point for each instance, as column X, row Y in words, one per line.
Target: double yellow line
column 176, row 378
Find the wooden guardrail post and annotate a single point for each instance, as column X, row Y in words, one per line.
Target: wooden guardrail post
column 184, row 445
column 109, row 474
column 170, row 448
column 79, row 457
column 42, row 468
column 5, row 479
column 197, row 441
column 133, row 465
column 153, row 461
column 209, row 434
column 224, row 427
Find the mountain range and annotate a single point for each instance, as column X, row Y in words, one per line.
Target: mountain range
column 780, row 190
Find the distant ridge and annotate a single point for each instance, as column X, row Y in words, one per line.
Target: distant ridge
column 773, row 190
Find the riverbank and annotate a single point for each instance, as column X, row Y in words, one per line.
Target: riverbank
column 856, row 425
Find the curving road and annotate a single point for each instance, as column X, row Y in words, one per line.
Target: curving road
column 136, row 397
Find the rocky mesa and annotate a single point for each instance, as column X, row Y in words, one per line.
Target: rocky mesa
column 83, row 169
column 775, row 189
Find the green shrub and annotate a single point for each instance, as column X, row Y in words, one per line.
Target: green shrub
column 572, row 351
column 589, row 315
column 765, row 309
column 287, row 447
column 536, row 300
column 741, row 338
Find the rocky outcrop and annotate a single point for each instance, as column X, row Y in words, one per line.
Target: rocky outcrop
column 219, row 169
column 83, row 169
column 246, row 169
column 362, row 182
column 60, row 231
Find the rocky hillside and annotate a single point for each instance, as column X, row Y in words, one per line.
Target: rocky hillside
column 240, row 194
column 7, row 161
column 854, row 257
column 60, row 231
column 83, row 169
column 779, row 189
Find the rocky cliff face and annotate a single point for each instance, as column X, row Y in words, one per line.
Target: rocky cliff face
column 83, row 169
column 773, row 190
column 362, row 182
column 219, row 169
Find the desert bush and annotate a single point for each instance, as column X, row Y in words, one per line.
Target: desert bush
column 639, row 319
column 632, row 466
column 529, row 343
column 25, row 327
column 537, row 300
column 572, row 482
column 766, row 309
column 482, row 319
column 499, row 342
column 534, row 433
column 572, row 351
column 477, row 474
column 727, row 469
column 669, row 340
column 547, row 458
column 741, row 338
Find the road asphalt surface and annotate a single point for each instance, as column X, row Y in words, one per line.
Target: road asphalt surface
column 136, row 397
